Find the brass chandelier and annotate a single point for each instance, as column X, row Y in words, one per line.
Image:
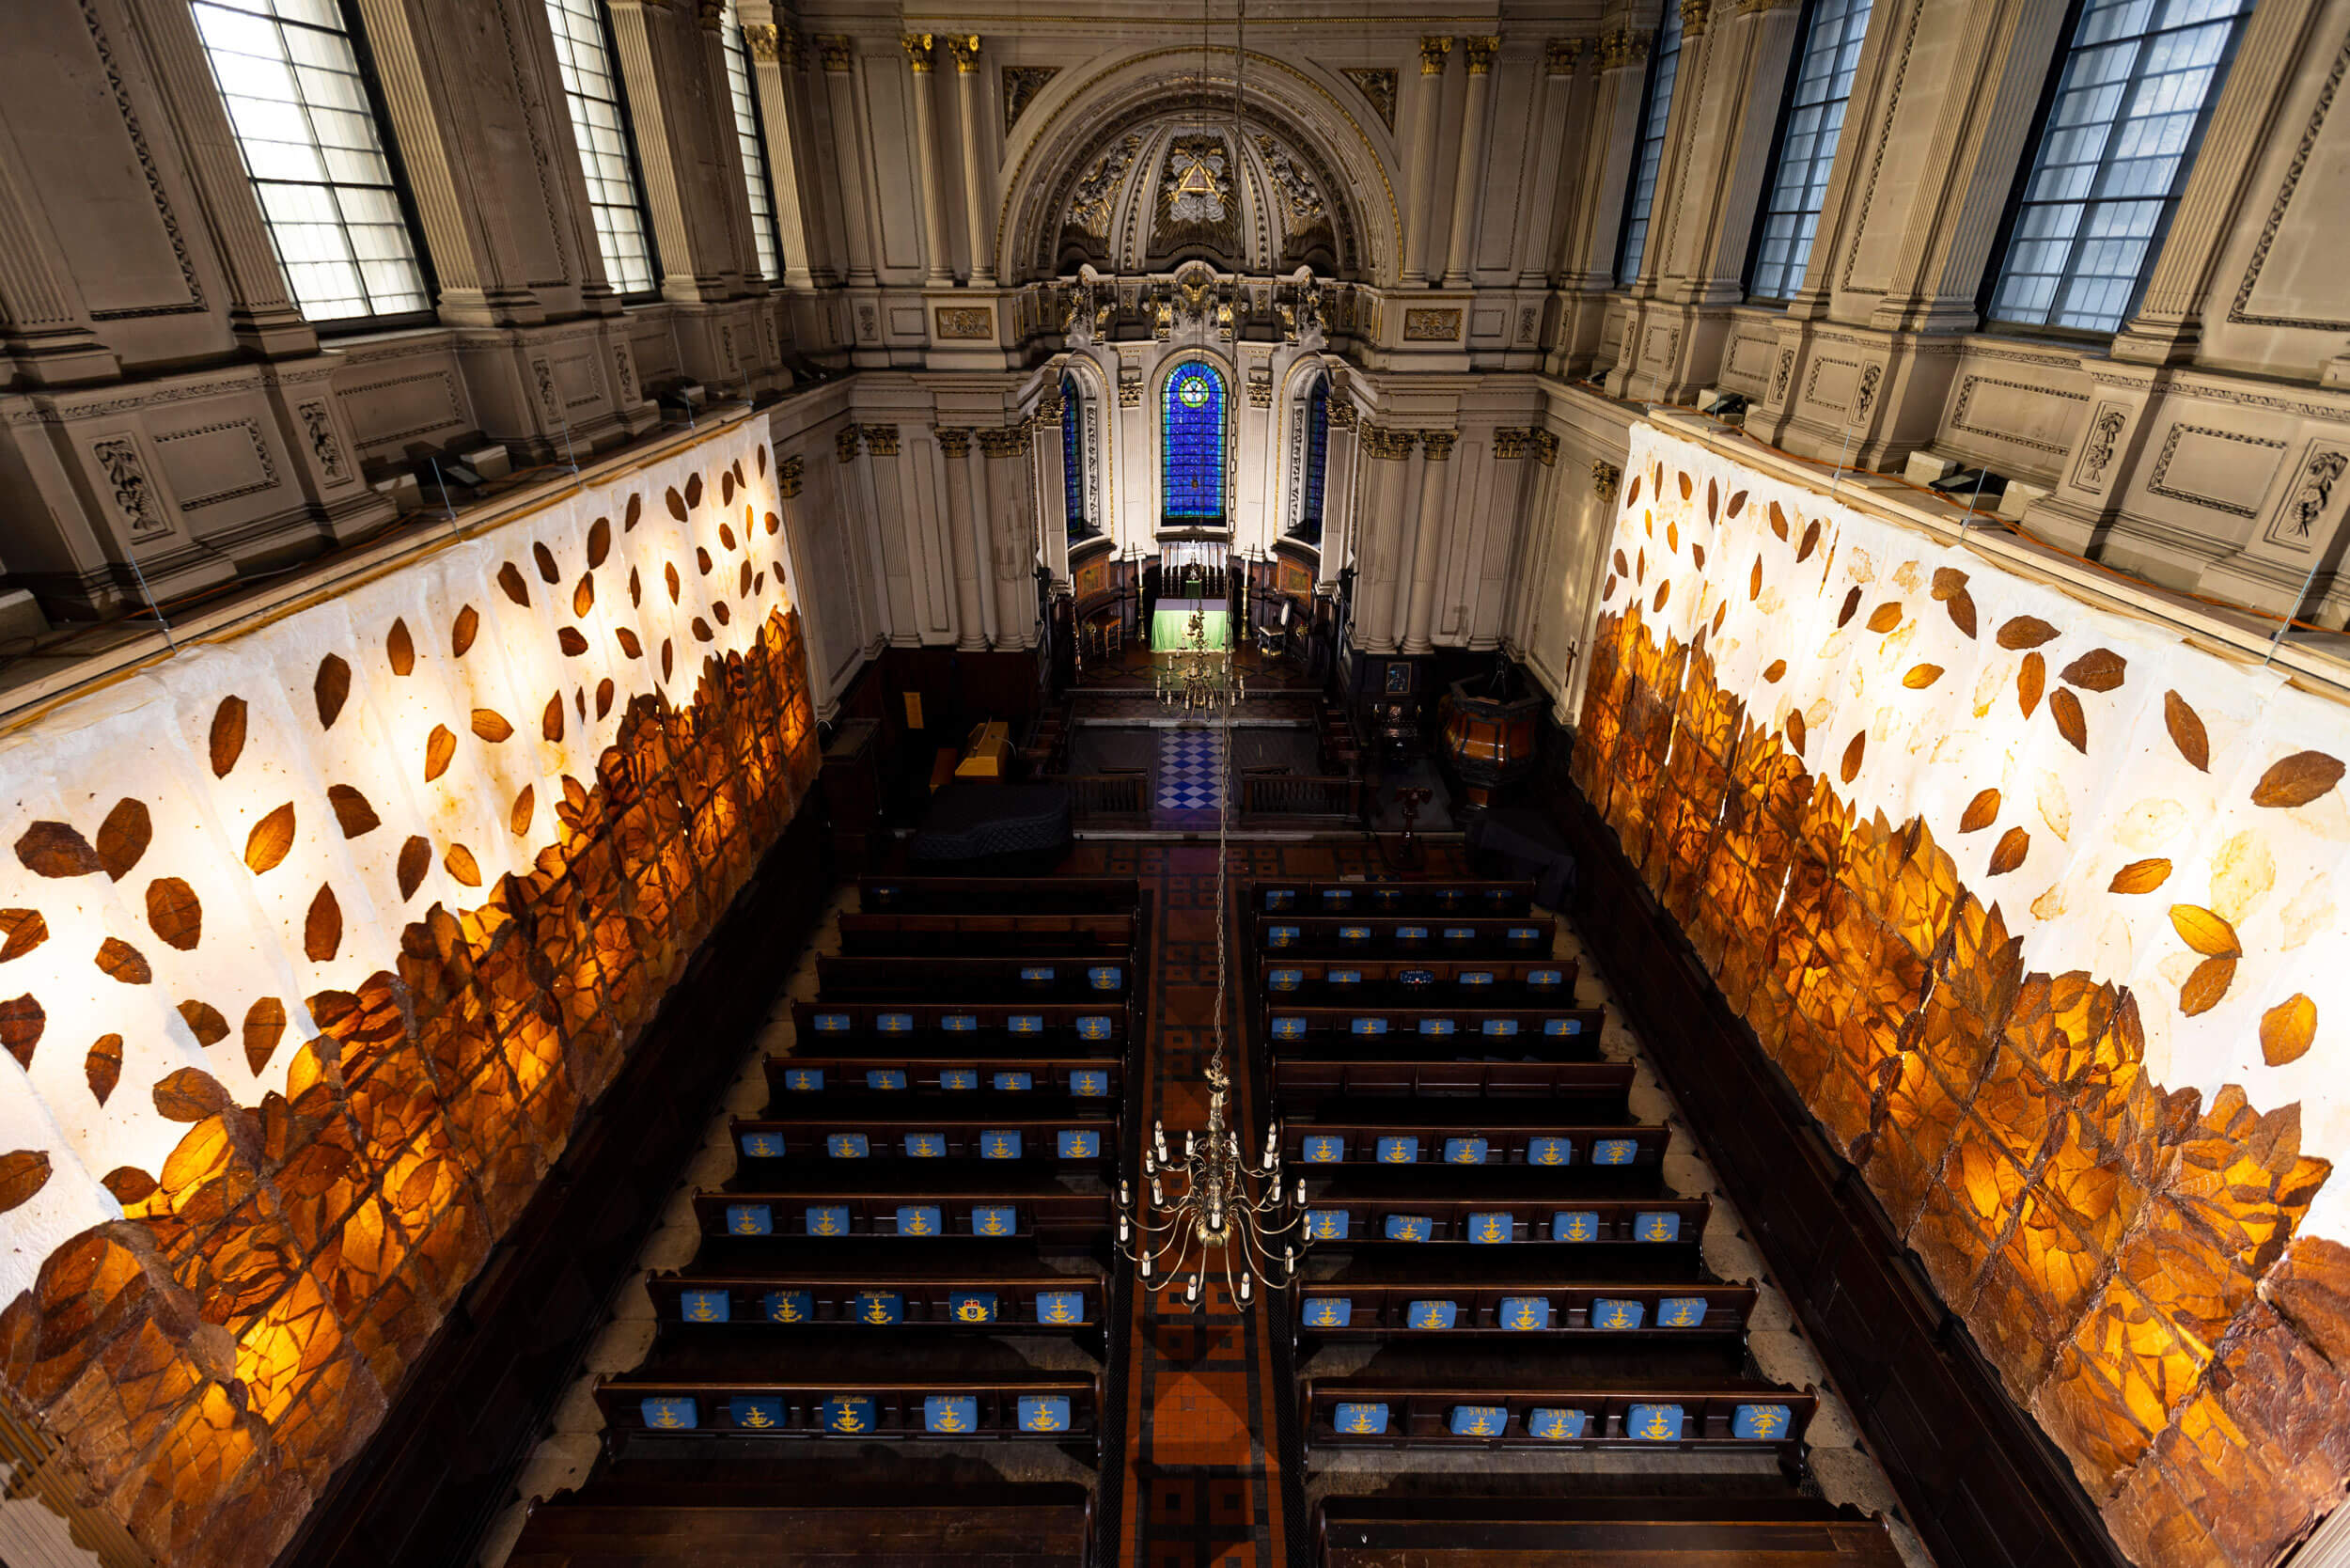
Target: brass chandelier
column 1200, row 680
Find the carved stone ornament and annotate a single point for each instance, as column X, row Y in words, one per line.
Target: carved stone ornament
column 834, row 50
column 846, row 443
column 1481, row 50
column 1049, row 406
column 881, row 440
column 1433, row 50
column 1868, row 396
column 964, row 47
column 1380, row 442
column 1432, row 326
column 790, row 474
column 118, row 456
column 2105, row 433
column 1692, row 17
column 2316, row 491
column 764, row 42
column 1002, row 441
column 712, row 14
column 1546, row 447
column 965, row 322
column 1437, row 445
column 954, row 443
column 1561, row 55
column 1605, row 477
column 1341, row 414
column 1509, row 443
column 1021, row 85
column 1785, row 373
column 1379, row 88
column 919, row 56
column 319, row 425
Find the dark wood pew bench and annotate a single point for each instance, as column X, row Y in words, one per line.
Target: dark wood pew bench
column 1556, row 1224
column 1465, row 897
column 1729, row 1417
column 1421, row 981
column 1542, row 1030
column 1524, row 1305
column 984, row 895
column 1689, row 1531
column 1064, row 1143
column 1040, row 936
column 1041, row 1028
column 1599, row 1090
column 1515, row 1134
column 1016, row 1301
column 1001, row 1206
column 1056, row 1406
column 1279, row 938
column 820, row 1086
column 939, row 978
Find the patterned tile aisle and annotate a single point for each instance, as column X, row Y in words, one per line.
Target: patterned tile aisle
column 1187, row 790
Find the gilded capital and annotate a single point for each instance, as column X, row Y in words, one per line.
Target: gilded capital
column 964, row 47
column 833, row 50
column 1560, row 56
column 1693, row 15
column 789, row 472
column 1480, row 53
column 1008, row 441
column 1605, row 475
column 762, row 38
column 712, row 14
column 846, row 443
column 1546, row 447
column 1437, row 445
column 917, row 48
column 1381, row 442
column 1341, row 414
column 954, row 442
column 1433, row 50
column 881, row 440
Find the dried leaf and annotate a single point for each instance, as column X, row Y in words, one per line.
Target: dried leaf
column 2297, row 780
column 130, row 1184
column 2070, row 723
column 1664, row 592
column 2205, row 930
column 510, row 579
column 518, row 820
column 546, row 558
column 675, row 504
column 467, row 628
column 458, row 862
column 693, row 490
column 1754, row 578
column 2031, row 678
column 2025, row 630
column 22, row 1021
column 22, row 1173
column 2187, row 732
column 1886, row 616
column 1921, row 676
column 1962, row 607
column 1853, row 750
column 1607, row 588
column 119, row 960
column 1794, row 728
column 103, row 1067
column 726, row 534
column 1684, row 476
column 1720, row 611
column 173, row 912
column 204, row 1022
column 331, row 689
column 1810, row 541
column 1981, row 813
column 56, row 850
column 23, row 929
column 668, row 573
column 191, row 1094
column 264, row 1027
column 635, row 587
column 630, row 644
column 551, row 722
column 636, row 510
column 415, row 859
column 1949, row 583
column 604, row 691
column 2287, row 1031
column 438, row 748
column 227, row 740
column 1850, row 607
column 2206, row 986
column 2014, row 845
column 491, row 725
column 569, row 640
column 2100, row 669
column 271, row 838
column 2140, row 876
column 1622, row 568
column 584, row 596
column 124, row 835
column 351, row 810
column 1773, row 670
column 599, row 542
column 701, row 560
column 1778, row 523
column 669, row 658
column 1712, row 503
column 773, row 522
column 401, row 647
column 322, row 927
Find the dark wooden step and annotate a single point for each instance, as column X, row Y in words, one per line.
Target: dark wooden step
column 1404, row 1531
column 986, row 895
column 989, row 1527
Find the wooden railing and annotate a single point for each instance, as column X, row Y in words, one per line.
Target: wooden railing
column 1094, row 796
column 1284, row 794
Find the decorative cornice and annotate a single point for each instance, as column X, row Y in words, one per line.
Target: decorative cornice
column 1605, row 477
column 835, row 50
column 1048, row 407
column 1341, row 414
column 1561, row 55
column 881, row 440
column 964, row 47
column 1692, row 17
column 1437, row 445
column 1381, row 442
column 789, row 473
column 917, row 48
column 1481, row 50
column 1433, row 49
column 954, row 441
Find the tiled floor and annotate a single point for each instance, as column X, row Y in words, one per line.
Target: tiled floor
column 1187, row 785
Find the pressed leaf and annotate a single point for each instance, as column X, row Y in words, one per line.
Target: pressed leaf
column 1850, row 607
column 415, row 859
column 579, row 701
column 103, row 1067
column 551, row 722
column 635, row 587
column 1981, row 813
column 55, row 849
column 669, row 658
column 2206, row 986
column 2287, row 1031
column 1737, row 504
column 322, row 927
column 1632, row 497
column 22, row 1173
column 2025, row 630
column 204, row 1022
column 264, row 1027
column 20, row 932
column 130, row 1184
column 604, row 690
column 2297, row 780
column 1886, row 616
column 1810, row 541
column 742, row 578
column 510, row 579
column 1778, row 523
column 773, row 522
column 546, row 558
column 124, row 835
column 693, row 490
column 1664, row 592
column 668, row 573
column 1794, row 728
column 491, row 725
column 1712, row 503
column 228, row 738
column 119, row 960
column 439, row 747
column 569, row 640
column 22, row 1021
column 401, row 647
column 271, row 838
column 1684, row 476
column 175, row 913
column 2014, row 845
column 1962, row 607
column 1622, row 566
column 675, row 504
column 584, row 596
column 629, row 642
column 191, row 1094
column 467, row 628
column 636, row 510
column 2204, row 931
column 1949, row 583
column 331, row 689
column 2187, row 732
column 2100, row 669
column 2140, row 876
column 1754, row 578
column 1853, row 750
column 1921, row 676
column 351, row 810
column 725, row 617
column 1773, row 670
column 1719, row 612
column 726, row 534
column 518, row 820
column 460, row 863
column 2070, row 723
column 599, row 542
column 2031, row 677
column 701, row 560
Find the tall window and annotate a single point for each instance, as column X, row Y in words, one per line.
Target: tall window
column 582, row 47
column 1651, row 157
column 2137, row 86
column 1194, row 444
column 1073, row 455
column 317, row 154
column 1317, row 461
column 746, row 136
column 1806, row 144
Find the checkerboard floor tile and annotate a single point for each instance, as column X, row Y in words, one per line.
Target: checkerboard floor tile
column 1191, row 771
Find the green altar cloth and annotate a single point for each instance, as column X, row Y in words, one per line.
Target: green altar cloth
column 1169, row 628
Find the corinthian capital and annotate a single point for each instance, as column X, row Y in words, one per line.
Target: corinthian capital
column 917, row 48
column 1480, row 53
column 1433, row 49
column 964, row 47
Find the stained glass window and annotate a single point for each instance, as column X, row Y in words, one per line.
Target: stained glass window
column 1816, row 99
column 1317, row 461
column 1194, row 452
column 1072, row 454
column 1649, row 160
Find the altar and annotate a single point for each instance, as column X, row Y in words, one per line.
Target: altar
column 1171, row 623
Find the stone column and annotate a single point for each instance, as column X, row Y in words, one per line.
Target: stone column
column 1428, row 538
column 697, row 248
column 1382, row 573
column 45, row 325
column 1587, row 267
column 776, row 58
column 965, row 50
column 1052, row 489
column 926, row 161
column 954, row 450
column 1433, row 51
column 1469, row 171
column 1010, row 532
column 1559, row 58
column 1342, row 461
column 1735, row 112
column 837, row 52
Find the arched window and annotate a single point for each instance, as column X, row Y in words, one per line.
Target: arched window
column 1317, row 461
column 1193, row 446
column 1073, row 455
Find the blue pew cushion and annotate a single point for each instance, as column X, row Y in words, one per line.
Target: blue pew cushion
column 1465, row 1150
column 847, row 1146
column 1026, row 1023
column 1399, row 1150
column 1089, row 1083
column 1361, row 1419
column 950, row 1413
column 1759, row 1423
column 1281, row 937
column 1555, row 1425
column 954, row 1080
column 1367, row 1025
column 1562, row 1027
column 847, row 1414
column 804, row 1080
column 1327, row 1224
column 1012, row 1082
column 1105, row 977
column 1043, row 1412
column 1549, row 1150
column 1657, row 1227
column 1477, row 1420
column 1329, row 1312
column 1575, row 1225
column 1681, row 1312
column 894, row 1023
column 1617, row 1312
column 960, row 1022
column 1432, row 1314
column 1614, row 1151
column 1437, row 1026
column 750, row 1219
column 1491, row 1228
column 880, row 1308
column 788, row 1306
column 763, row 1146
column 1060, row 1307
column 1284, row 980
column 674, row 1413
column 705, row 1305
column 925, row 1146
column 1096, row 1025
column 884, row 1077
column 1524, row 1312
column 832, row 1023
column 827, row 1219
column 919, row 1219
column 1036, row 974
column 995, row 1219
column 1080, row 1144
column 1343, row 977
column 973, row 1306
column 1322, row 1149
column 1409, row 1228
column 755, row 1412
column 1654, row 1424
column 1000, row 1143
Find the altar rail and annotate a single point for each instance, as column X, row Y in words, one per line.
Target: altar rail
column 1282, row 794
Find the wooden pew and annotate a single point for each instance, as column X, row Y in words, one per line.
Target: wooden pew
column 991, row 895
column 738, row 1525
column 1037, row 936
column 927, row 1299
column 1282, row 937
column 1519, row 1142
column 1422, row 981
column 1596, row 1531
column 1421, row 1416
column 1043, row 1212
column 634, row 1405
column 1034, row 1028
column 792, row 1145
column 1501, row 1309
column 818, row 1085
column 1614, row 1224
column 1597, row 1090
column 1496, row 1029
column 944, row 978
column 1466, row 897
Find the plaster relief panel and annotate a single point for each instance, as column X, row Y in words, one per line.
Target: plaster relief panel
column 1900, row 129
column 221, row 460
column 2214, row 470
column 2286, row 275
column 403, row 401
column 2016, row 408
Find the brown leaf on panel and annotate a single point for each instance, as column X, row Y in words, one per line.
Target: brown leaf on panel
column 773, row 522
column 1632, row 497
column 1639, row 566
column 322, row 927
column 518, row 820
column 545, row 559
column 629, row 642
column 331, row 689
column 1794, row 728
column 550, row 721
column 2187, row 732
column 271, row 838
column 22, row 930
column 174, row 912
column 2025, row 630
column 491, row 725
column 1713, row 501
column 124, row 835
column 569, row 640
column 703, row 634
column 726, row 489
column 604, row 690
column 701, row 560
column 2297, row 780
column 2140, row 876
column 2070, row 723
column 675, row 504
column 460, row 863
column 759, row 452
column 1962, row 607
column 1672, row 536
column 693, row 490
column 1623, row 568
column 1949, row 583
column 2207, row 933
column 636, row 510
column 635, row 587
column 103, row 1067
column 1850, row 608
column 1850, row 768
column 726, row 534
column 1921, row 676
column 264, row 1026
column 1810, row 541
column 584, row 596
column 667, row 658
column 415, row 859
column 56, row 850
column 510, row 579
column 191, row 1094
column 204, row 1022
column 1683, row 475
column 1737, row 504
column 461, row 635
column 401, row 647
column 668, row 570
column 2032, row 677
column 743, row 578
column 21, row 1020
column 1778, row 523
column 2014, row 845
column 1607, row 588
column 1886, row 616
column 2100, row 669
column 129, row 1184
column 22, row 1173
column 579, row 701
column 725, row 617
column 599, row 542
column 2206, row 986
column 1981, row 813
column 1719, row 612
column 1773, row 670
column 227, row 737
column 438, row 748
column 2287, row 1031
column 351, row 810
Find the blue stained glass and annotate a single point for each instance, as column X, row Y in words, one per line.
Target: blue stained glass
column 1317, row 460
column 1073, row 447
column 1194, row 442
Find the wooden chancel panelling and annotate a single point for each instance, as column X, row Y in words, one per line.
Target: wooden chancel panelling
column 313, row 943
column 2036, row 905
